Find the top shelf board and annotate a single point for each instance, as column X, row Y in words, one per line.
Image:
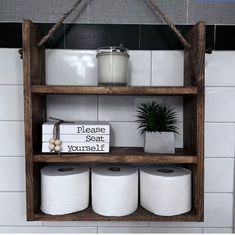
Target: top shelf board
column 114, row 90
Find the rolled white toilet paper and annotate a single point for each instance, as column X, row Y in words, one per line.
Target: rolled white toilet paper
column 64, row 188
column 114, row 190
column 165, row 189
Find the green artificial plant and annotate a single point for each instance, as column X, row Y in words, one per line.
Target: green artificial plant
column 154, row 117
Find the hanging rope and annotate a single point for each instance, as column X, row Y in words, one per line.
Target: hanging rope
column 159, row 13
column 57, row 25
column 152, row 3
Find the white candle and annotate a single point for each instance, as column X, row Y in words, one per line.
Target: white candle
column 112, row 67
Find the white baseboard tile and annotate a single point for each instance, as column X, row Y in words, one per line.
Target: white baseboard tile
column 218, row 213
column 55, row 230
column 13, row 210
column 12, row 139
column 217, row 230
column 147, row 230
column 12, row 174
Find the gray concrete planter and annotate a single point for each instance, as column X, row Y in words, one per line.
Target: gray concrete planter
column 159, row 142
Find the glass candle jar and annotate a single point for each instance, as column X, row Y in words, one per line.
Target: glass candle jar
column 112, row 66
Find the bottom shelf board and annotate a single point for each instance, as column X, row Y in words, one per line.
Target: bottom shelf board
column 119, row 155
column 139, row 215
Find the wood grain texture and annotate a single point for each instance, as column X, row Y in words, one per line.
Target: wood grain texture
column 194, row 74
column 34, row 110
column 192, row 155
column 103, row 90
column 140, row 215
column 119, row 155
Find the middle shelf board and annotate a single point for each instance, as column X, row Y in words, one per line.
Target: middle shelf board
column 119, row 155
column 114, row 90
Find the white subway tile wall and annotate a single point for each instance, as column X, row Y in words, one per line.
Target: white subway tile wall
column 11, row 104
column 11, row 71
column 11, row 138
column 224, row 76
column 140, row 73
column 78, row 67
column 167, row 68
column 218, row 104
column 71, row 67
column 219, row 139
column 14, row 170
column 219, row 175
column 82, row 108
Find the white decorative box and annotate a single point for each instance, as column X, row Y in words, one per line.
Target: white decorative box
column 81, row 137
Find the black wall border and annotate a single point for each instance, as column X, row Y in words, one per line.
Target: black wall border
column 133, row 36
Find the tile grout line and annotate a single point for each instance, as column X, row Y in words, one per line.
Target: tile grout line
column 215, row 37
column 151, row 68
column 187, row 20
column 233, row 214
column 88, row 12
column 97, row 108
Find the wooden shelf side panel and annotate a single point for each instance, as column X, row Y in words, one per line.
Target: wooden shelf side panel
column 194, row 74
column 34, row 110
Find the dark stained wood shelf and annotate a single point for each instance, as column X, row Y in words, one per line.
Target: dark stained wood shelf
column 115, row 90
column 119, row 155
column 35, row 114
column 139, row 215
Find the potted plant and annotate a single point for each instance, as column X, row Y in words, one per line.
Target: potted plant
column 158, row 123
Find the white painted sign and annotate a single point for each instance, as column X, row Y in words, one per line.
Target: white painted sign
column 86, row 138
column 78, row 128
column 80, row 147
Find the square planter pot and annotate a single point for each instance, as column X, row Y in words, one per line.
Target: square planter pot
column 159, row 142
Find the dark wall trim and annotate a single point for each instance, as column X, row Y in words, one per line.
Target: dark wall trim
column 134, row 37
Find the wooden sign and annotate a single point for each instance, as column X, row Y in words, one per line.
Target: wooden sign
column 80, row 148
column 80, row 137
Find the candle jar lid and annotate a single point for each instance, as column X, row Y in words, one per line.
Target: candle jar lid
column 112, row 50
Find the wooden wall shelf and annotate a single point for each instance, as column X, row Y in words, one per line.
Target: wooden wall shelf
column 102, row 90
column 35, row 94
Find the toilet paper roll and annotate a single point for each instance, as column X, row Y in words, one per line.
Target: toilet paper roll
column 114, row 190
column 64, row 188
column 165, row 190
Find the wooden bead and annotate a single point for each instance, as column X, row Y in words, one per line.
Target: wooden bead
column 51, row 140
column 58, row 142
column 51, row 146
column 57, row 148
